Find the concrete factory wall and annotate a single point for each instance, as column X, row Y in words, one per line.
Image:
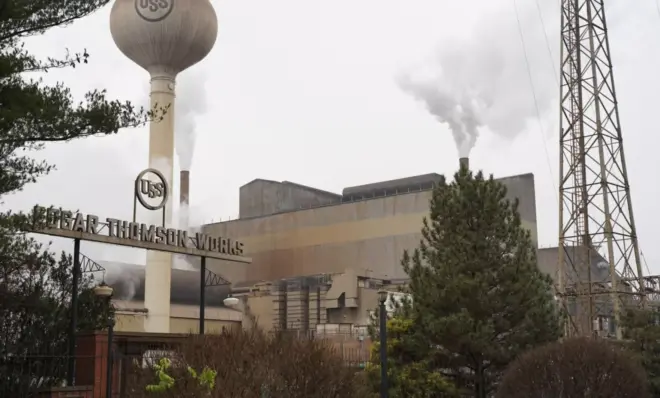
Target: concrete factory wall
column 316, row 304
column 366, row 235
column 184, row 319
column 577, row 282
column 261, row 197
column 548, row 258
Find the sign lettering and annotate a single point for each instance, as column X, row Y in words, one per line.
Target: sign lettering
column 152, row 190
column 52, row 218
column 154, row 10
column 153, row 194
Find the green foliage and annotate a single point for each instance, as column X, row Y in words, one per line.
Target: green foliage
column 33, row 113
column 35, row 284
column 410, row 375
column 479, row 299
column 165, row 381
column 205, row 380
column 642, row 334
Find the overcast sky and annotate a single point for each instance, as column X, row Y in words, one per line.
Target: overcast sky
column 305, row 91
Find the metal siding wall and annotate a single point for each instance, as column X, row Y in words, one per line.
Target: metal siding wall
column 368, row 235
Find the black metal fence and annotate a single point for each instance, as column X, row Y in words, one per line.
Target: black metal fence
column 26, row 376
column 34, row 375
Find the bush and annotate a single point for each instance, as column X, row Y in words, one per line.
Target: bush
column 251, row 364
column 575, row 368
column 409, row 374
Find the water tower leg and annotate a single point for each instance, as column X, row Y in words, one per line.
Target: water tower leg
column 161, row 156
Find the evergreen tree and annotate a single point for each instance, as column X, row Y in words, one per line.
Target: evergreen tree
column 35, row 285
column 410, row 374
column 642, row 335
column 478, row 296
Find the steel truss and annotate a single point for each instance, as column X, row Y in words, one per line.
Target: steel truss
column 599, row 267
column 87, row 265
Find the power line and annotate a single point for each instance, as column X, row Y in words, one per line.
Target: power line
column 536, row 103
column 547, row 42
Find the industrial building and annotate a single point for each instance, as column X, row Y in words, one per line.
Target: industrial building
column 318, row 258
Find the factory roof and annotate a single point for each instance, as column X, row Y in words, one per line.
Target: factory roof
column 392, row 187
column 301, row 186
column 371, row 191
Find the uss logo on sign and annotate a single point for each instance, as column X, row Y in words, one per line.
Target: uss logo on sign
column 154, row 10
column 146, row 190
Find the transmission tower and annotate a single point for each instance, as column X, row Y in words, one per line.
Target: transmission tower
column 599, row 267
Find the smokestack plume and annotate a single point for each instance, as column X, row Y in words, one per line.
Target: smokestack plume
column 185, row 187
column 475, row 82
column 463, row 162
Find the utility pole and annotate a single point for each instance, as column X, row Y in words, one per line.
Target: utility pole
column 599, row 267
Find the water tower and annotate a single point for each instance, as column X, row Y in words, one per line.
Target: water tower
column 164, row 37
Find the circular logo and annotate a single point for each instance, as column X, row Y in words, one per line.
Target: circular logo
column 154, row 10
column 148, row 191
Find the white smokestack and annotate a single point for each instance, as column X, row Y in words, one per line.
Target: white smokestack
column 182, row 261
column 184, row 202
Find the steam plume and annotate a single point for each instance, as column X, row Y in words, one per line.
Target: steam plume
column 482, row 81
column 191, row 102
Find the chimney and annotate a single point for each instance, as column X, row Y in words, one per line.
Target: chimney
column 464, row 162
column 185, row 186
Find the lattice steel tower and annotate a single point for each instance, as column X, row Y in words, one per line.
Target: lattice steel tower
column 599, row 268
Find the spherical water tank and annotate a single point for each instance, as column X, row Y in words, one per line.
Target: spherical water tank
column 164, row 36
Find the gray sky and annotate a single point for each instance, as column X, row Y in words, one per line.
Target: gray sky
column 305, row 91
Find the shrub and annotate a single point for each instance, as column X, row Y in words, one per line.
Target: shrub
column 251, row 364
column 575, row 368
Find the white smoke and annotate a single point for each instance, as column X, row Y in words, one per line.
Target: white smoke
column 184, row 216
column 482, row 81
column 165, row 166
column 181, row 261
column 194, row 217
column 125, row 277
column 190, row 102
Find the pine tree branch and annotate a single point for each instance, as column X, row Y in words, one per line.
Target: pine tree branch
column 23, row 18
column 39, row 28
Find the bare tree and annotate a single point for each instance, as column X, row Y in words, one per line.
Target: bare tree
column 575, row 368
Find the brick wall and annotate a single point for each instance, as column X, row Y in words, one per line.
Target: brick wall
column 68, row 392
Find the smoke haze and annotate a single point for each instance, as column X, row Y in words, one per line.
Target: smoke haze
column 190, row 102
column 482, row 81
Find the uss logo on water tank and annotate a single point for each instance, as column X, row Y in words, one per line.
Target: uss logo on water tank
column 154, row 10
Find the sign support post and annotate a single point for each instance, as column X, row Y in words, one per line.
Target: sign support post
column 202, row 294
column 73, row 322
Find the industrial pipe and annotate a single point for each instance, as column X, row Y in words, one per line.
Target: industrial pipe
column 464, row 162
column 184, row 191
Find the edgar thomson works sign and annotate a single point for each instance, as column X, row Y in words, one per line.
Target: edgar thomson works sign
column 151, row 193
